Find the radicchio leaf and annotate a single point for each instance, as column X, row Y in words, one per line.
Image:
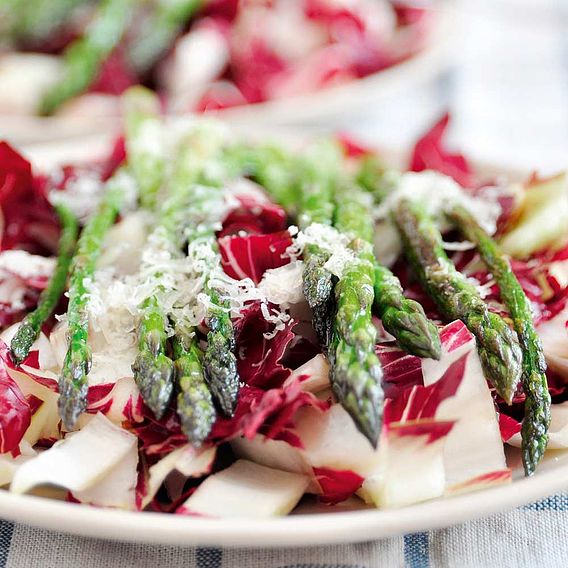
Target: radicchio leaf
column 250, row 256
column 259, row 360
column 337, row 485
column 268, row 412
column 253, row 216
column 28, row 220
column 115, row 75
column 430, row 154
column 15, row 414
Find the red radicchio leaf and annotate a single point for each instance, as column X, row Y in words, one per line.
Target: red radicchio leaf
column 430, row 154
column 114, row 159
column 401, row 371
column 29, row 221
column 34, row 403
column 250, row 256
column 421, row 402
column 508, row 427
column 409, row 14
column 30, row 288
column 259, row 359
column 334, row 15
column 15, row 414
column 226, row 9
column 266, row 412
column 433, row 431
column 254, row 66
column 159, row 436
column 30, row 363
column 337, row 485
column 254, row 217
column 115, row 75
column 352, row 147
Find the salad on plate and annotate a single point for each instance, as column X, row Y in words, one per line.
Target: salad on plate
column 203, row 324
column 74, row 57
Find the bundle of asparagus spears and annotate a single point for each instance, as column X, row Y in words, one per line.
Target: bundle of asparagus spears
column 189, row 353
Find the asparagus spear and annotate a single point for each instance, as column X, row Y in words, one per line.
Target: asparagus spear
column 275, row 169
column 402, row 318
column 30, row 326
column 146, row 159
column 159, row 30
column 537, row 403
column 73, row 379
column 35, row 21
column 153, row 370
column 184, row 216
column 84, row 57
column 374, row 177
column 194, row 402
column 220, row 362
column 355, row 369
column 457, row 298
column 356, row 372
column 318, row 171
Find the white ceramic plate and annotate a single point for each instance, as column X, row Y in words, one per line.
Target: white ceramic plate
column 325, row 105
column 310, row 523
column 306, row 527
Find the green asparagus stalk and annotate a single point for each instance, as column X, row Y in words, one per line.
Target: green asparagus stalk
column 159, row 30
column 404, row 319
column 319, row 172
column 275, row 169
column 537, row 404
column 153, row 370
column 457, row 298
column 374, row 177
column 193, row 196
column 84, row 57
column 30, row 326
column 77, row 364
column 194, row 402
column 35, row 21
column 146, row 159
column 220, row 362
column 356, row 372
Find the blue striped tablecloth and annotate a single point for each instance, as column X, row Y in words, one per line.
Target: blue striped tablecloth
column 510, row 105
column 534, row 535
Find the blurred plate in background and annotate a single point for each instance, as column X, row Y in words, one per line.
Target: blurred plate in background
column 321, row 107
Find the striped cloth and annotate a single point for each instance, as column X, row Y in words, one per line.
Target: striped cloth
column 534, row 535
column 509, row 99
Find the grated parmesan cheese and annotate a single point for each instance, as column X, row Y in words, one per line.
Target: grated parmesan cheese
column 25, row 265
column 284, row 285
column 436, row 191
column 81, row 194
column 328, row 239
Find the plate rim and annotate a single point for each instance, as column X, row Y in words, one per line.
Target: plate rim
column 290, row 531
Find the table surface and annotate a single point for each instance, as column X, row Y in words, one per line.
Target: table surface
column 509, row 101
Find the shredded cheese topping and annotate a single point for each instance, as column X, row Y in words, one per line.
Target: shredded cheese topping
column 437, row 191
column 330, row 240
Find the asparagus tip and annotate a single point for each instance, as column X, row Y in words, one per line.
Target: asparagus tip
column 72, row 401
column 22, row 342
column 153, row 375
